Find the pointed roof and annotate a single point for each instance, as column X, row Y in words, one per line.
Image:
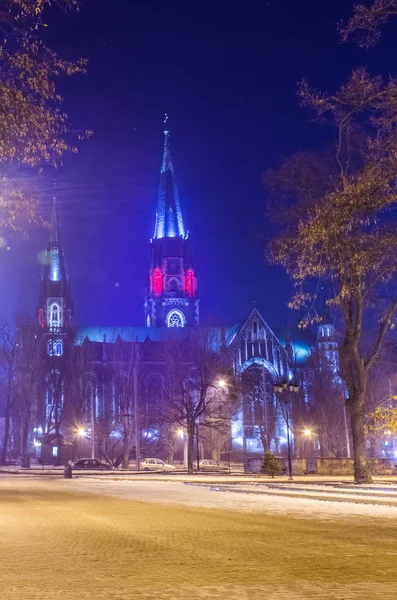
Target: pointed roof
column 169, row 221
column 54, row 282
column 54, row 269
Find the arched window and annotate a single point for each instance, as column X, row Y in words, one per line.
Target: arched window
column 58, row 348
column 50, row 348
column 175, row 319
column 259, row 405
column 157, row 281
column 190, row 283
column 174, row 285
column 91, row 395
column 55, row 315
column 154, row 395
column 122, row 395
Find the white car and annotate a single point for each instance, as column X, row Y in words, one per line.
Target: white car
column 212, row 465
column 155, row 464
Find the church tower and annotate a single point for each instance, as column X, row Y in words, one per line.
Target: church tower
column 55, row 308
column 171, row 297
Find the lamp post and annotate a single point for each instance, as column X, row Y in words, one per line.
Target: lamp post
column 283, row 389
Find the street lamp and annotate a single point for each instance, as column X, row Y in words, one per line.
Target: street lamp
column 281, row 388
column 308, row 432
column 222, row 383
column 81, row 432
column 180, row 434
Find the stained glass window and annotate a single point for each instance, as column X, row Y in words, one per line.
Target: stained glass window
column 175, row 319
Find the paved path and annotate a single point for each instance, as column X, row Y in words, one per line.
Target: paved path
column 72, row 539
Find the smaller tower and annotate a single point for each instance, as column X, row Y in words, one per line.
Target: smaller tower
column 171, row 297
column 327, row 345
column 55, row 307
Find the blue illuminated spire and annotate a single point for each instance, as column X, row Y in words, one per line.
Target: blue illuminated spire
column 55, row 263
column 169, row 222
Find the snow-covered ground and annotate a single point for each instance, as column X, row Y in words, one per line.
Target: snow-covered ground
column 105, row 539
column 178, row 493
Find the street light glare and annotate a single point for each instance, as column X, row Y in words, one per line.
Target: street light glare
column 81, row 432
column 180, row 433
column 222, row 383
column 308, row 432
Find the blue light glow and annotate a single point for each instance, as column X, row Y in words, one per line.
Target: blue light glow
column 169, row 221
column 55, row 267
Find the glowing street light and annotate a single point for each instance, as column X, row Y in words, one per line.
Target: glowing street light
column 181, row 435
column 222, row 383
column 308, row 432
column 81, row 432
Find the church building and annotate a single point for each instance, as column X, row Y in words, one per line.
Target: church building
column 259, row 356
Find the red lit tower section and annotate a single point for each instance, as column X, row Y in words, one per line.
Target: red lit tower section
column 171, row 298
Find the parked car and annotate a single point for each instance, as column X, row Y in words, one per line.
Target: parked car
column 91, row 463
column 155, row 464
column 212, row 465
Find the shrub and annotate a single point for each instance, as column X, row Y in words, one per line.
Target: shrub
column 270, row 465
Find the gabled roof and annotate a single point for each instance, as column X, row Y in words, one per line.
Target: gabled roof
column 254, row 312
column 302, row 341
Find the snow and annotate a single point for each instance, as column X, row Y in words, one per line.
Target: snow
column 108, row 539
column 174, row 492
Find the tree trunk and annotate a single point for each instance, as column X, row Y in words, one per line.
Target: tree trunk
column 264, row 437
column 6, row 434
column 25, row 453
column 362, row 473
column 126, row 441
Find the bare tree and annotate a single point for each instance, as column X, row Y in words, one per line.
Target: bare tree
column 109, row 441
column 192, row 393
column 260, row 405
column 381, row 389
column 216, row 434
column 34, row 128
column 168, row 437
column 28, row 374
column 340, row 237
column 8, row 369
column 328, row 414
column 124, row 362
column 80, row 391
column 365, row 24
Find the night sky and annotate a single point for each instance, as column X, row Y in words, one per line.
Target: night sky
column 226, row 74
